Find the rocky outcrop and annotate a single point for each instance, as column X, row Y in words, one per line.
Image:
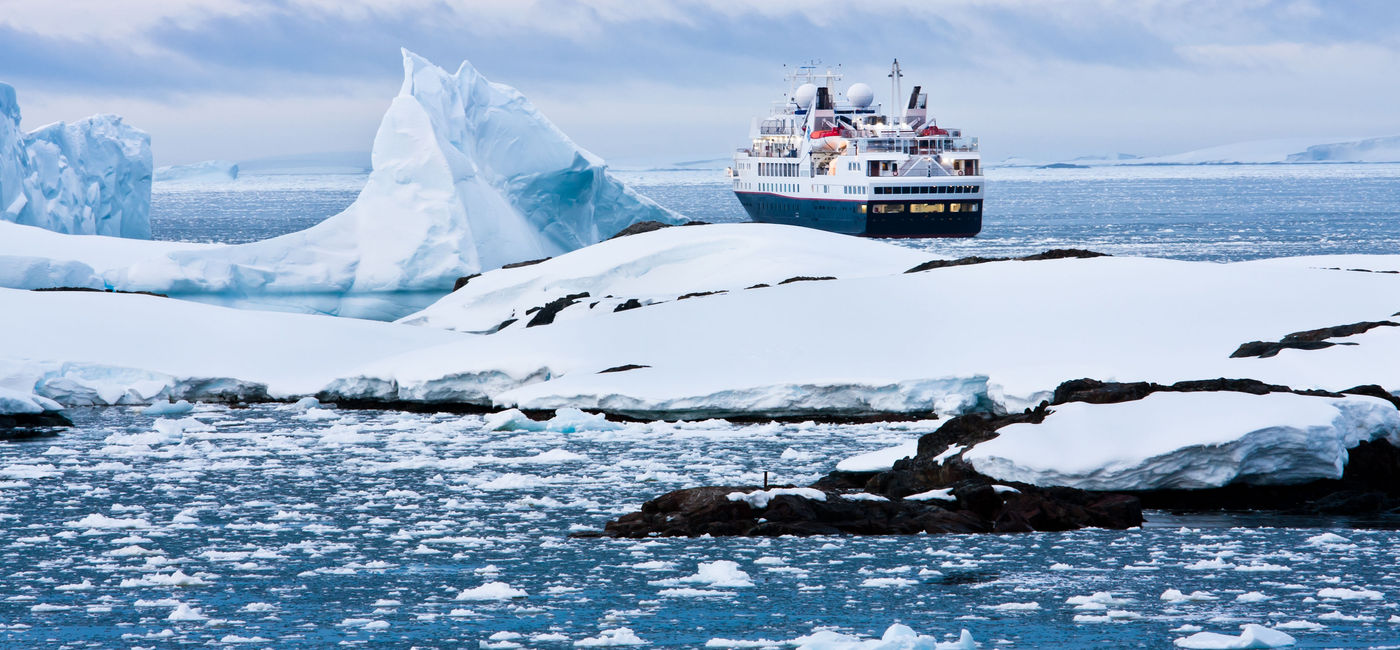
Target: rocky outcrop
column 1052, row 254
column 936, row 491
column 1308, row 340
column 648, row 226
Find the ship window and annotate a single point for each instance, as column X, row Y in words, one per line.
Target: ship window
column 926, row 207
column 954, row 207
column 972, row 208
column 976, row 188
column 889, row 208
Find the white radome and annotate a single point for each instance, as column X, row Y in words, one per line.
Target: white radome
column 805, row 95
column 860, row 95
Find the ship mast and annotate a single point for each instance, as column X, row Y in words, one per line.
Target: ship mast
column 895, row 75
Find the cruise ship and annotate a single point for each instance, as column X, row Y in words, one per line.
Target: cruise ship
column 836, row 162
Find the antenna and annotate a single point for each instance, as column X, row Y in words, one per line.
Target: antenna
column 895, row 75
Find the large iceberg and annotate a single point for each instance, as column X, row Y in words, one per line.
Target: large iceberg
column 91, row 177
column 467, row 176
column 208, row 171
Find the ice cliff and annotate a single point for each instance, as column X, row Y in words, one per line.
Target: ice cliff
column 91, row 177
column 467, row 176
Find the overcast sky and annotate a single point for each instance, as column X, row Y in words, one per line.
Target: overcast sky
column 646, row 80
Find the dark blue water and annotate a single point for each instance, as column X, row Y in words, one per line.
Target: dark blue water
column 1229, row 212
column 312, row 529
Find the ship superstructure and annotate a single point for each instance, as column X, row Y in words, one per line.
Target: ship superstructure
column 838, row 163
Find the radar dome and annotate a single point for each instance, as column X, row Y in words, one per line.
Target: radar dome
column 860, row 95
column 805, row 95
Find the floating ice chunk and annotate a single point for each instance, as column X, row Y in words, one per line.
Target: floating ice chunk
column 760, row 498
column 1252, row 597
column 1333, row 593
column 492, row 591
column 43, row 608
column 896, row 637
column 85, row 585
column 186, row 613
column 1213, row 564
column 1253, row 636
column 1175, row 596
column 1103, row 598
column 615, row 637
column 692, row 592
column 888, row 582
column 880, row 459
column 512, row 420
column 176, row 579
column 1014, row 607
column 1326, row 539
column 258, row 607
column 720, row 573
column 167, row 408
column 234, row 638
column 572, row 420
column 654, row 565
column 100, row 521
column 1306, row 626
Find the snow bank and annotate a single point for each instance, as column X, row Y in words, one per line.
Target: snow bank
column 761, row 498
column 1188, row 441
column 880, row 459
column 82, row 348
column 467, row 176
column 988, row 336
column 208, row 171
column 20, row 402
column 661, row 266
column 91, row 177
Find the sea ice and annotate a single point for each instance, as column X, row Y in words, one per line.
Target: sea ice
column 492, row 591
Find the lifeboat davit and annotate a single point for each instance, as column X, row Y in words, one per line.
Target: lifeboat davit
column 933, row 130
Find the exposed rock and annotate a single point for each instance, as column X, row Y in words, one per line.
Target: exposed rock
column 516, row 265
column 623, row 368
column 24, row 425
column 630, row 303
column 1052, row 254
column 545, row 315
column 806, row 278
column 92, row 290
column 1308, row 340
column 648, row 226
column 698, row 294
column 759, row 286
column 462, row 281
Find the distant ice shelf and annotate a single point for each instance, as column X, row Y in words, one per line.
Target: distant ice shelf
column 208, row 171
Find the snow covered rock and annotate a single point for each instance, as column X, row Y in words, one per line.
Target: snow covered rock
column 467, row 176
column 208, row 171
column 91, row 177
column 1188, row 441
column 660, row 266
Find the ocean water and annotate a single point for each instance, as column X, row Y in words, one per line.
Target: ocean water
column 277, row 526
column 274, row 526
column 1215, row 212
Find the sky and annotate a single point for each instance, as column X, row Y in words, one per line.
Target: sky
column 650, row 81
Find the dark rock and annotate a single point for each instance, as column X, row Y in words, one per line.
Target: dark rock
column 462, row 281
column 698, row 294
column 1372, row 390
column 91, row 290
column 545, row 315
column 630, row 303
column 14, row 425
column 624, row 368
column 648, row 226
column 759, row 286
column 1053, row 254
column 1308, row 340
column 807, row 278
column 516, row 265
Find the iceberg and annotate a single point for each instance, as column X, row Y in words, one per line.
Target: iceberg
column 467, row 176
column 91, row 177
column 208, row 171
